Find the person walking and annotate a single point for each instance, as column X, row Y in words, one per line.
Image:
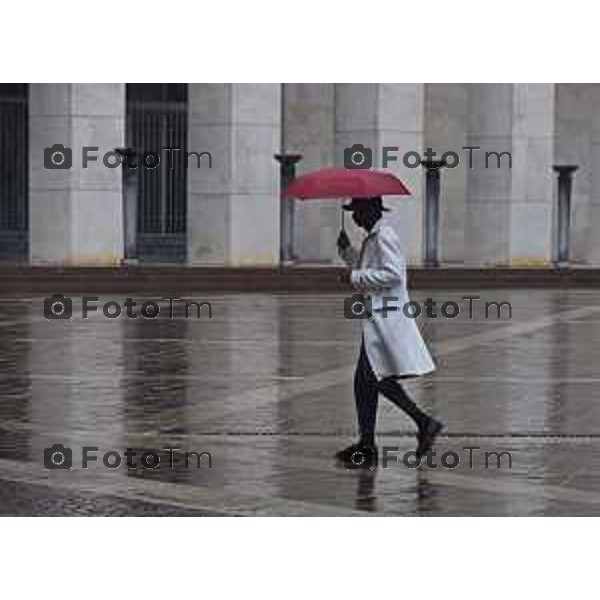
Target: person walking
column 391, row 347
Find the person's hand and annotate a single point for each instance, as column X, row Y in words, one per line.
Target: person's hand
column 343, row 241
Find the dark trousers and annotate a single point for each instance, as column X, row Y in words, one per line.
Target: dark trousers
column 366, row 391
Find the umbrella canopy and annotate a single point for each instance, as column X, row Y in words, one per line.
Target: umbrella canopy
column 338, row 182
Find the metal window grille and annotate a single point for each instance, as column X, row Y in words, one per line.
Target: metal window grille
column 157, row 119
column 14, row 172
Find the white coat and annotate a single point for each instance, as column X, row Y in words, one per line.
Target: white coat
column 393, row 342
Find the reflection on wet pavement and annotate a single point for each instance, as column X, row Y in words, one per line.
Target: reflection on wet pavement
column 265, row 387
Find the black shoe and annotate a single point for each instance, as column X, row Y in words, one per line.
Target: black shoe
column 426, row 436
column 346, row 453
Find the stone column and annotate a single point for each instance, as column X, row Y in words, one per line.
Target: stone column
column 509, row 208
column 387, row 114
column 75, row 214
column 233, row 207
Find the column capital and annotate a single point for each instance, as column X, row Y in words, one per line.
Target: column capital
column 287, row 159
column 433, row 165
column 563, row 170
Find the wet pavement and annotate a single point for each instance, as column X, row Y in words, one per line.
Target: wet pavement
column 264, row 389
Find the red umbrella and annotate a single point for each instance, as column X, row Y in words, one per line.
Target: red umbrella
column 338, row 182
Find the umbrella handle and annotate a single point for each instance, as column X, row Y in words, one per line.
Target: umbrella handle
column 343, row 226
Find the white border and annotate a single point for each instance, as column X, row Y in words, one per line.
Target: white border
column 297, row 558
column 289, row 41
